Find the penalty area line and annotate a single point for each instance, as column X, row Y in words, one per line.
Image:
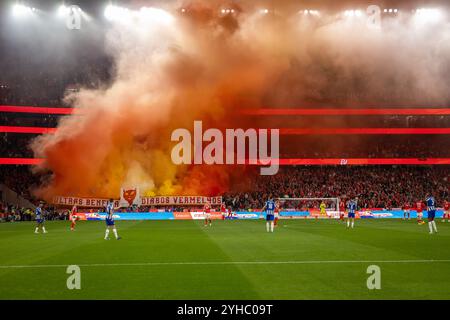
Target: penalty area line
column 150, row 264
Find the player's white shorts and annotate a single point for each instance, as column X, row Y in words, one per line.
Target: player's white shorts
column 419, row 215
column 207, row 215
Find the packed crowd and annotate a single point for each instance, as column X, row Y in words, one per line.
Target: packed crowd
column 376, row 187
column 14, row 145
column 28, row 120
column 20, row 179
column 28, row 85
column 365, row 146
column 12, row 213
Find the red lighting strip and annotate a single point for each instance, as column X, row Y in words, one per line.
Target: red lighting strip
column 22, row 161
column 290, row 162
column 38, row 130
column 332, row 131
column 270, row 111
column 345, row 111
column 283, row 131
column 361, row 161
column 40, row 110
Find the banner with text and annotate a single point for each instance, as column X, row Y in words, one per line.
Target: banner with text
column 144, row 201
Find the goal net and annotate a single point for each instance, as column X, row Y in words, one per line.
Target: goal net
column 309, row 207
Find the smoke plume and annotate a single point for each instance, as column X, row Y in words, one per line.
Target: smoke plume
column 204, row 65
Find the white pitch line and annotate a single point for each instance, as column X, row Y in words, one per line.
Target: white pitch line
column 220, row 263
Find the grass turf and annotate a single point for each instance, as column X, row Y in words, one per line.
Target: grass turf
column 107, row 270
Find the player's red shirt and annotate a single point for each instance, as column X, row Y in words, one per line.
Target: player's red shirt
column 73, row 212
column 419, row 206
column 406, row 206
column 446, row 206
column 223, row 208
column 277, row 209
column 207, row 208
column 277, row 206
column 342, row 206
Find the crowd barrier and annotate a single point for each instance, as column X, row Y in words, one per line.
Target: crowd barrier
column 149, row 215
column 395, row 213
column 249, row 215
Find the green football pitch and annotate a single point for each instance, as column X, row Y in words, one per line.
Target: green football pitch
column 302, row 259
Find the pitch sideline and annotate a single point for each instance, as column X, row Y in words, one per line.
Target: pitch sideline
column 150, row 264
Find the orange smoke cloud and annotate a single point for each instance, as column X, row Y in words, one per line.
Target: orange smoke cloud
column 204, row 66
column 167, row 77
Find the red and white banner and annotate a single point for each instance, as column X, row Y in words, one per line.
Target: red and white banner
column 82, row 202
column 144, row 201
column 180, row 200
column 129, row 197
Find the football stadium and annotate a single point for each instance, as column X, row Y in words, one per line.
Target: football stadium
column 224, row 150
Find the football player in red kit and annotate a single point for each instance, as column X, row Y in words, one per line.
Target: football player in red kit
column 419, row 209
column 73, row 218
column 446, row 211
column 207, row 211
column 230, row 213
column 277, row 213
column 223, row 210
column 342, row 210
column 406, row 211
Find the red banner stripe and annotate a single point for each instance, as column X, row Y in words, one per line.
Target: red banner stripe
column 38, row 130
column 39, row 110
column 344, row 111
column 22, row 161
column 269, row 111
column 284, row 131
column 332, row 131
column 362, row 161
column 288, row 162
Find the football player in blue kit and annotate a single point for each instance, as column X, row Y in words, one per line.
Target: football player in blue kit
column 40, row 218
column 269, row 207
column 431, row 209
column 352, row 207
column 110, row 224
